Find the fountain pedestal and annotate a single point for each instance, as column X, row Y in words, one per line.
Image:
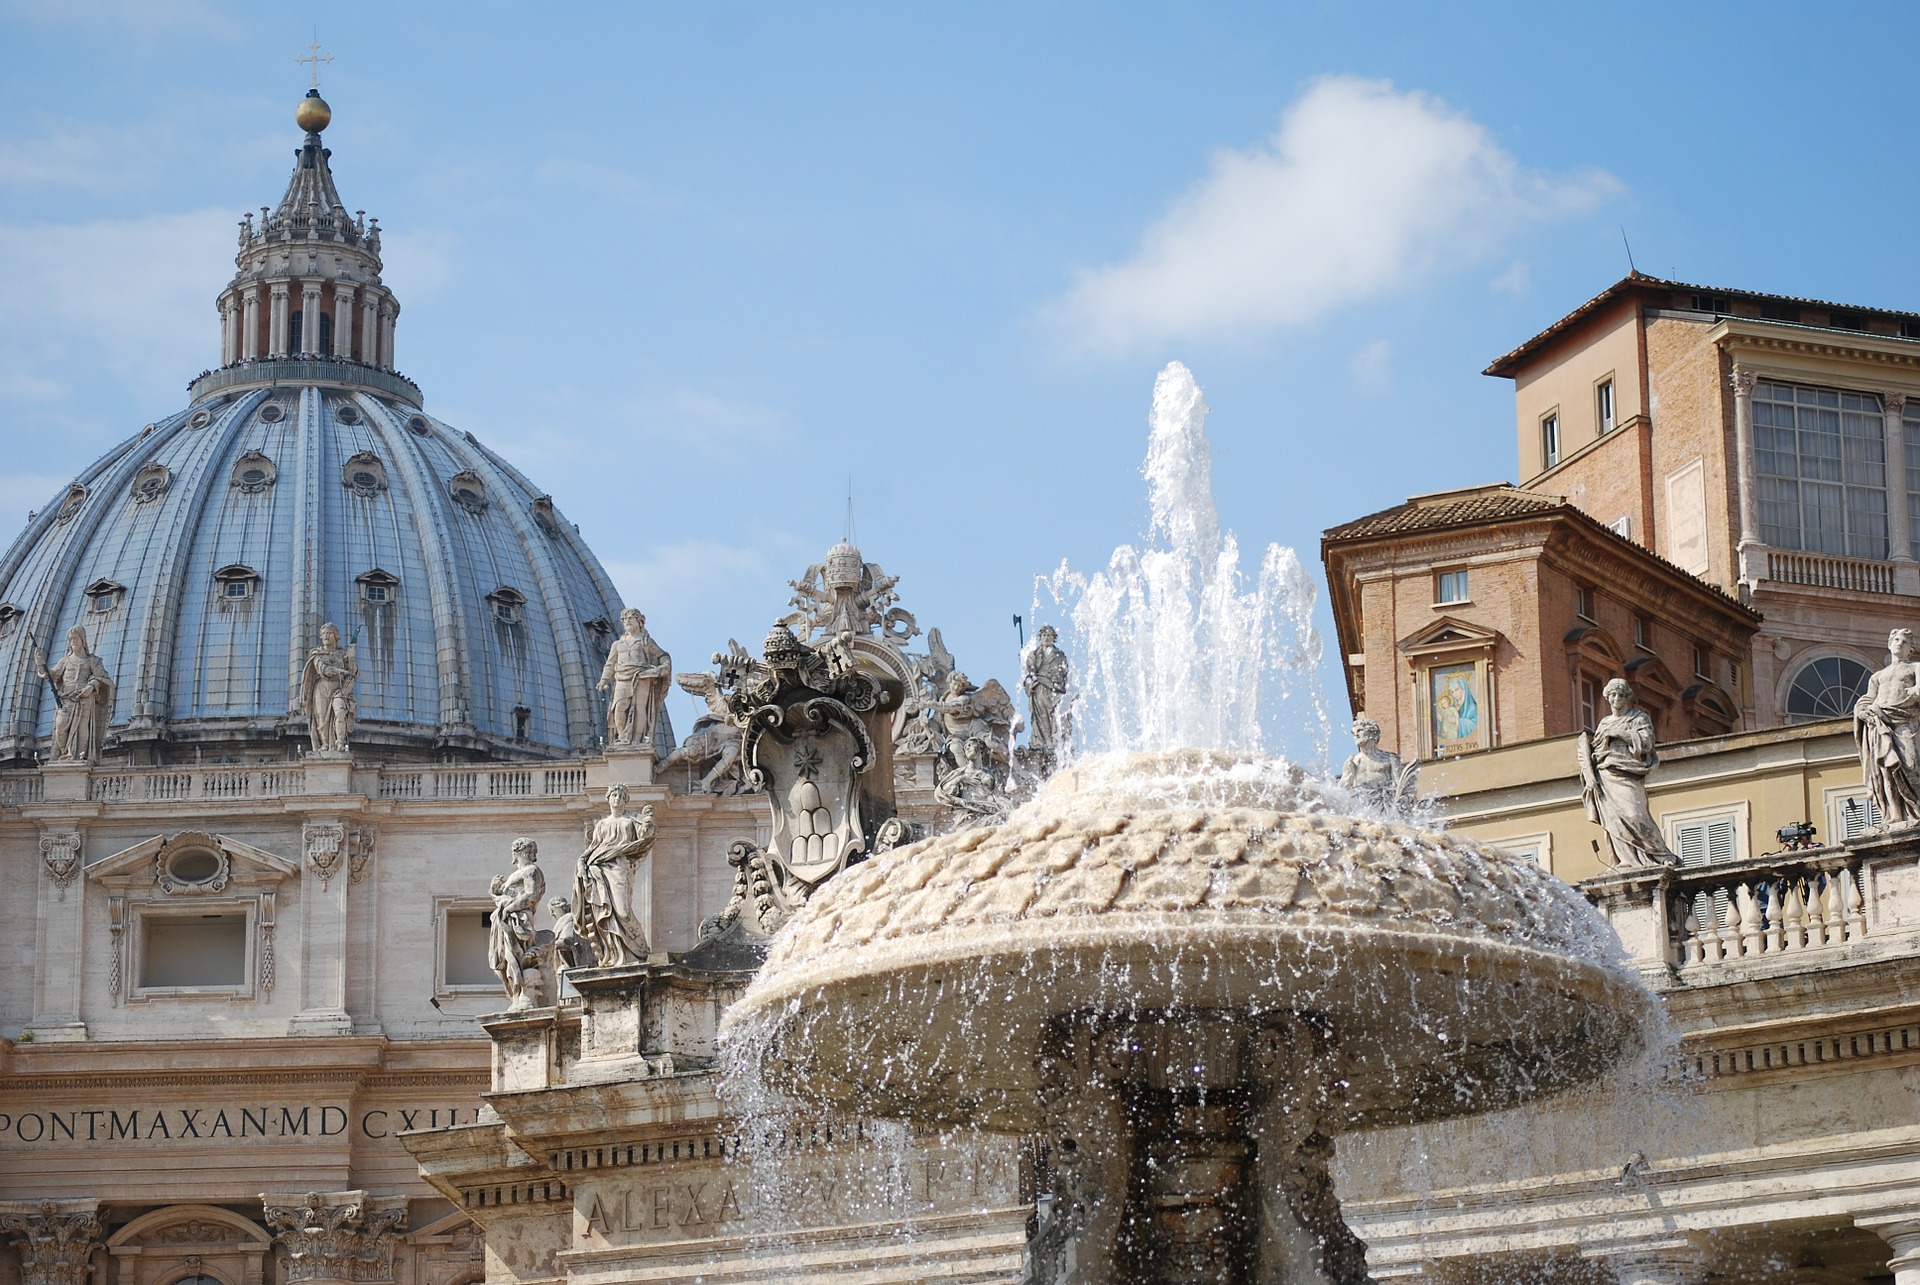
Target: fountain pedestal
column 1186, row 1149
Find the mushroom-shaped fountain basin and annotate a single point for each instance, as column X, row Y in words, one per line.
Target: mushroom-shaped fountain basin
column 1453, row 978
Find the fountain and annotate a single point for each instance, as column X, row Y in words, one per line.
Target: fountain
column 1185, row 971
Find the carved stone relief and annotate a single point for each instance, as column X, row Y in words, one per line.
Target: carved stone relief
column 60, row 852
column 253, row 473
column 335, row 1236
column 70, row 503
column 330, row 844
column 150, row 483
column 57, row 1239
column 364, row 475
column 468, row 491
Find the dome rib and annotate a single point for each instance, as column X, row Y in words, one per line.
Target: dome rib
column 152, row 705
column 569, row 629
column 453, row 650
column 304, row 606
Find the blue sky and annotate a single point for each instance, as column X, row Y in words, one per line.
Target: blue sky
column 695, row 266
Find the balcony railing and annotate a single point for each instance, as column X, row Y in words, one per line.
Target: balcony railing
column 482, row 783
column 1824, row 572
column 185, row 784
column 20, row 787
column 1799, row 905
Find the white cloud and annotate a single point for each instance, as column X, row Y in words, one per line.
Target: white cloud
column 419, row 263
column 684, row 579
column 1514, row 280
column 1372, row 367
column 1361, row 190
column 132, row 296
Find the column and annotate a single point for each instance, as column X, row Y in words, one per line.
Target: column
column 277, row 340
column 1751, row 556
column 342, row 319
column 1906, row 573
column 335, row 1237
column 310, row 318
column 388, row 311
column 1902, row 1232
column 250, row 325
column 370, row 329
column 227, row 328
column 57, row 1239
column 1667, row 1261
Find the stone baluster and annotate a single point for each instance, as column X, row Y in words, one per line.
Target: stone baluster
column 1816, row 913
column 1901, row 1231
column 1832, row 910
column 1692, row 951
column 1795, row 913
column 1751, row 555
column 1776, row 923
column 57, row 1239
column 335, row 1237
column 1855, row 904
column 1742, row 898
column 1727, row 926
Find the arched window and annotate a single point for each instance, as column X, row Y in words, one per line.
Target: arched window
column 1826, row 688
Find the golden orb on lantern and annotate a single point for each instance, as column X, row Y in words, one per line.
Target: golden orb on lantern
column 312, row 114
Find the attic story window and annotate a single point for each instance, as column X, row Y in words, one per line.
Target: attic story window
column 509, row 605
column 235, row 582
column 377, row 587
column 103, row 596
column 1603, row 405
column 9, row 620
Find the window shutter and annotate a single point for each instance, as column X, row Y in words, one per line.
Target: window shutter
column 1858, row 815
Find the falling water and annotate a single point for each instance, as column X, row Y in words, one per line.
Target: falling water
column 1172, row 649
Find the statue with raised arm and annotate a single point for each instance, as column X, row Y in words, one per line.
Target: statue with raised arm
column 1886, row 727
column 712, row 748
column 326, row 692
column 1045, row 681
column 1614, row 762
column 83, row 696
column 638, row 673
column 1378, row 776
column 514, row 948
column 603, row 882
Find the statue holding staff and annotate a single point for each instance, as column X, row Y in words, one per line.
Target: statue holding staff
column 83, row 695
column 638, row 672
column 326, row 692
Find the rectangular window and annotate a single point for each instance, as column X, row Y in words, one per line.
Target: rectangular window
column 1452, row 587
column 1642, row 633
column 1550, row 439
column 1820, row 455
column 464, row 953
column 1589, row 704
column 1733, row 678
column 1702, row 662
column 1603, row 398
column 201, row 952
column 1707, row 841
column 1622, row 526
column 1583, row 602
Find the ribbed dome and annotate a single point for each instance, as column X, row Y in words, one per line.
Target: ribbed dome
column 203, row 555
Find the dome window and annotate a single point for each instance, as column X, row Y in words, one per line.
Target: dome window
column 364, row 475
column 272, row 413
column 103, row 596
column 417, row 425
column 378, row 588
column 200, row 419
column 70, row 503
column 509, row 605
column 253, row 472
column 235, row 582
column 9, row 620
column 468, row 491
column 544, row 517
column 151, row 482
column 348, row 414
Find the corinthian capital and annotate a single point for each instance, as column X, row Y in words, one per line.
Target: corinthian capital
column 1742, row 380
column 335, row 1236
column 1894, row 402
column 57, row 1239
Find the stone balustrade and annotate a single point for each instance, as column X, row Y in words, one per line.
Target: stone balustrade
column 482, row 783
column 1825, row 572
column 1811, row 905
column 211, row 783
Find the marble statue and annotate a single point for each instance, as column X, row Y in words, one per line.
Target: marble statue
column 326, row 692
column 984, row 713
column 847, row 595
column 83, row 696
column 638, row 672
column 603, row 882
column 514, row 947
column 1045, row 681
column 1376, row 775
column 712, row 748
column 568, row 944
column 1614, row 762
column 976, row 796
column 1886, row 726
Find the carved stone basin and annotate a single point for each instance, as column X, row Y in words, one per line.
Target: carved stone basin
column 1187, row 975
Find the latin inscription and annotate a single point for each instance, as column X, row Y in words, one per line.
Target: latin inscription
column 79, row 1125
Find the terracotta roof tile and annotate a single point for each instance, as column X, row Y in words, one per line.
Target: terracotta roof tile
column 1448, row 508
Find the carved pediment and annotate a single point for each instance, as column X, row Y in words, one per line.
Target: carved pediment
column 1448, row 634
column 190, row 863
column 202, row 1226
column 1651, row 674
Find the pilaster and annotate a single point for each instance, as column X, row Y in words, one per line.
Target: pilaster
column 58, row 944
column 250, row 324
column 310, row 318
column 342, row 319
column 326, row 845
column 335, row 1237
column 1751, row 552
column 57, row 1239
column 277, row 339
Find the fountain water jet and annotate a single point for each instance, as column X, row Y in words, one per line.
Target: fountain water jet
column 1183, row 971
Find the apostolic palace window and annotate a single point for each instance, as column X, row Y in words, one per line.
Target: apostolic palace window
column 1820, row 454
